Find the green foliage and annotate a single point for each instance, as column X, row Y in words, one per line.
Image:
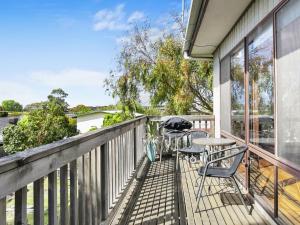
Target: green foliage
column 112, row 119
column 81, row 109
column 40, row 126
column 158, row 68
column 11, row 106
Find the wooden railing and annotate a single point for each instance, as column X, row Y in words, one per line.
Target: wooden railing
column 202, row 122
column 78, row 181
column 83, row 177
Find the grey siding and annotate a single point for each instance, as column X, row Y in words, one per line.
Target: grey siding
column 255, row 13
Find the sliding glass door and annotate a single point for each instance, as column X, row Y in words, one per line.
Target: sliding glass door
column 261, row 86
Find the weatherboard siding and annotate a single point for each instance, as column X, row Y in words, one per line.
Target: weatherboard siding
column 254, row 14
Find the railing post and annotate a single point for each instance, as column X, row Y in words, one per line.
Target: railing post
column 21, row 206
column 104, row 182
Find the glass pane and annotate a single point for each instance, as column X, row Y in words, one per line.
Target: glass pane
column 225, row 95
column 261, row 100
column 262, row 179
column 288, row 197
column 288, row 81
column 237, row 69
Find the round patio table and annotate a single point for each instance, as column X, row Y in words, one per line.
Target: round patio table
column 214, row 142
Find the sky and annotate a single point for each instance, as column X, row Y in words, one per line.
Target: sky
column 68, row 44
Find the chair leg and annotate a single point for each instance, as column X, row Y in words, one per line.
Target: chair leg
column 240, row 194
column 199, row 193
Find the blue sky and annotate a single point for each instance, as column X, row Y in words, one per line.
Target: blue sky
column 71, row 44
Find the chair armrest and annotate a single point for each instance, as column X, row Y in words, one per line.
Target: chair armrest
column 226, row 157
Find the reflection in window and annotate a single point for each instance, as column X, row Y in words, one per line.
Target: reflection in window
column 237, row 69
column 262, row 179
column 261, row 101
column 288, row 81
column 288, row 197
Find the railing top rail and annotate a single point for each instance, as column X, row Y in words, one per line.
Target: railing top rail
column 106, row 134
column 187, row 117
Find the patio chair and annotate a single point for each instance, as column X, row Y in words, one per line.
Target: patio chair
column 236, row 153
column 191, row 150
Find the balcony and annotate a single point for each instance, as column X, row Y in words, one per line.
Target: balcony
column 103, row 177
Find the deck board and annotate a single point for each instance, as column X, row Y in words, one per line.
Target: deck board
column 158, row 199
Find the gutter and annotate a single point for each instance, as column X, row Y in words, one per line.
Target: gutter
column 201, row 5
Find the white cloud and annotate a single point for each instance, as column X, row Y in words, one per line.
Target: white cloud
column 116, row 19
column 136, row 16
column 110, row 19
column 69, row 78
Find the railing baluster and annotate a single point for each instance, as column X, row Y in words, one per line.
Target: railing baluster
column 93, row 187
column 109, row 177
column 116, row 168
column 3, row 211
column 81, row 190
column 104, row 182
column 64, row 215
column 38, row 195
column 52, row 198
column 120, row 166
column 98, row 175
column 73, row 194
column 21, row 206
column 87, row 188
column 134, row 148
column 113, row 172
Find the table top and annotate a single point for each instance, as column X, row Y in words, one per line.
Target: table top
column 214, row 141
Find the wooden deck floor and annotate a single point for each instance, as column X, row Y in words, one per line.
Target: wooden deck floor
column 167, row 197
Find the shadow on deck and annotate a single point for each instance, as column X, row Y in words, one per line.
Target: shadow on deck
column 163, row 196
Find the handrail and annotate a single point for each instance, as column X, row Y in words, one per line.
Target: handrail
column 102, row 160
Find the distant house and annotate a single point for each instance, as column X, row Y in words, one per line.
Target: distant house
column 94, row 119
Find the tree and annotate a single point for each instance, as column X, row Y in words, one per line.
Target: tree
column 12, row 106
column 41, row 126
column 157, row 67
column 58, row 96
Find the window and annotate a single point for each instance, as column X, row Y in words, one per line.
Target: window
column 261, row 100
column 288, row 81
column 225, row 95
column 233, row 93
column 237, row 69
